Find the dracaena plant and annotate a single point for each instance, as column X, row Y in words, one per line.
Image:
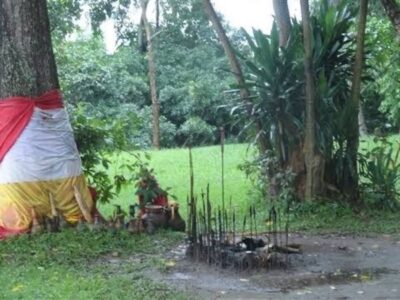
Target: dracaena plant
column 275, row 76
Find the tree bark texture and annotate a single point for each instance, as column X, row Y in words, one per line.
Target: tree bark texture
column 283, row 19
column 392, row 10
column 152, row 73
column 314, row 162
column 361, row 121
column 353, row 138
column 157, row 14
column 236, row 70
column 27, row 64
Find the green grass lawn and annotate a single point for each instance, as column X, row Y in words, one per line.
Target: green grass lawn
column 84, row 265
column 172, row 170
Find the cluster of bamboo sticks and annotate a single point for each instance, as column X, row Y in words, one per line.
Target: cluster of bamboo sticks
column 212, row 232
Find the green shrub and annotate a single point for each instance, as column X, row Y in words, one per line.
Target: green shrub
column 143, row 136
column 196, row 132
column 96, row 139
column 381, row 169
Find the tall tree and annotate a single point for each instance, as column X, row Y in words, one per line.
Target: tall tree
column 361, row 117
column 283, row 18
column 353, row 138
column 310, row 145
column 27, row 65
column 152, row 77
column 236, row 69
column 392, row 9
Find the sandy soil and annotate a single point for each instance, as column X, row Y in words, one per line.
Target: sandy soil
column 329, row 267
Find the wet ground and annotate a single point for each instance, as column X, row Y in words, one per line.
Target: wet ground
column 329, row 267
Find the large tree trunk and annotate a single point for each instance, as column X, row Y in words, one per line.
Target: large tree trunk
column 283, row 18
column 152, row 78
column 236, row 70
column 353, row 138
column 314, row 163
column 392, row 9
column 27, row 64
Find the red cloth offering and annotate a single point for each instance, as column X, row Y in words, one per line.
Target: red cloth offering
column 16, row 112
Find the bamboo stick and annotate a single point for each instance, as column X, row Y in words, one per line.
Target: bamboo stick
column 52, row 206
column 82, row 205
column 222, row 132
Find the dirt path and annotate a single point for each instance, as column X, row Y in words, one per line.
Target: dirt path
column 330, row 267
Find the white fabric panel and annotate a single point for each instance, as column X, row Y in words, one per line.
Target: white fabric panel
column 46, row 150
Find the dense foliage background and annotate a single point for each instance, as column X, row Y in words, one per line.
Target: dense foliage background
column 192, row 71
column 192, row 74
column 108, row 93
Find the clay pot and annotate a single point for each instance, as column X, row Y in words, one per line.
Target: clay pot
column 154, row 217
column 175, row 221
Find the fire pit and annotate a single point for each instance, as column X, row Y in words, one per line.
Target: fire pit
column 213, row 238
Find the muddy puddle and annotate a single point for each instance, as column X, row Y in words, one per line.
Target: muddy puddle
column 329, row 267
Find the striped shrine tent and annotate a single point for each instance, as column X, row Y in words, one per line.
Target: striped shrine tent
column 39, row 160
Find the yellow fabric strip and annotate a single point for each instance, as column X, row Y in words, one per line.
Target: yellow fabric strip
column 18, row 199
